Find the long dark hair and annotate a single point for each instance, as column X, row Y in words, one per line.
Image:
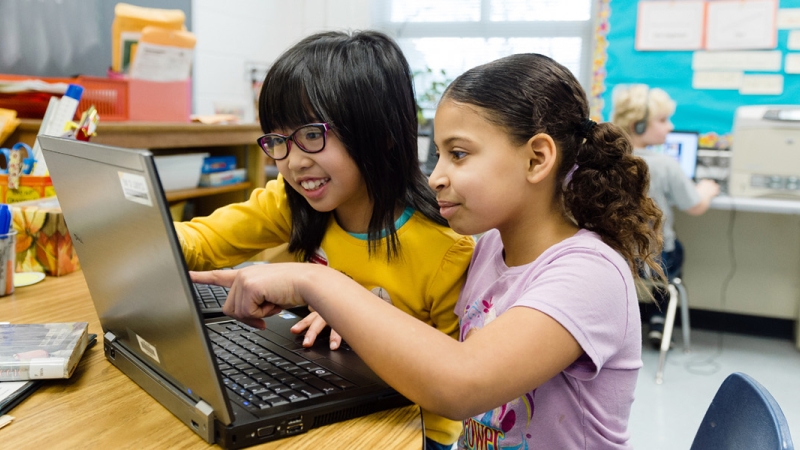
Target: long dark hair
column 359, row 83
column 603, row 186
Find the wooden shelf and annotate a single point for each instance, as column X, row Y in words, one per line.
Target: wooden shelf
column 185, row 194
column 156, row 135
column 164, row 138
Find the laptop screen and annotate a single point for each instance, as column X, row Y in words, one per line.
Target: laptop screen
column 681, row 145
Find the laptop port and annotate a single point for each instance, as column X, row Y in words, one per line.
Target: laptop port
column 268, row 430
column 295, row 420
column 291, row 429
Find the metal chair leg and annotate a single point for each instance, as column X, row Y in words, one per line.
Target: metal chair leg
column 666, row 339
column 684, row 299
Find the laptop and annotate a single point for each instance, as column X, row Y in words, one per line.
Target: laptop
column 234, row 385
column 683, row 146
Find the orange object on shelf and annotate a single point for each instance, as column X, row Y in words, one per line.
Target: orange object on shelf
column 31, row 187
column 109, row 97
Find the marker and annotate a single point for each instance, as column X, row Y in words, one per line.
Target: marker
column 5, row 220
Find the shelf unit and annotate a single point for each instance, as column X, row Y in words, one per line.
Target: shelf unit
column 176, row 138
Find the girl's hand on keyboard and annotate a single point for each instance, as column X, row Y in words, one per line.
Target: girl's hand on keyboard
column 255, row 291
column 313, row 324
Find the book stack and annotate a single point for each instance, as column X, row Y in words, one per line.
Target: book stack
column 32, row 353
column 221, row 170
column 41, row 351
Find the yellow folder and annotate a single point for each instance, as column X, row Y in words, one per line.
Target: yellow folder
column 126, row 29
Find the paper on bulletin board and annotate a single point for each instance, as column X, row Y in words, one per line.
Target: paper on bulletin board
column 761, row 84
column 670, row 25
column 788, row 18
column 717, row 80
column 738, row 25
column 793, row 41
column 792, row 63
column 761, row 61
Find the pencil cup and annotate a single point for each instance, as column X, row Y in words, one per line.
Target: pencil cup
column 8, row 256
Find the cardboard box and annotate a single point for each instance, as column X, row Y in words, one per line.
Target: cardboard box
column 223, row 178
column 219, row 163
column 31, row 187
column 43, row 241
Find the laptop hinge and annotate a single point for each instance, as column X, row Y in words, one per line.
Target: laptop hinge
column 197, row 415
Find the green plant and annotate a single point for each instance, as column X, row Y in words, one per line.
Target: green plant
column 433, row 86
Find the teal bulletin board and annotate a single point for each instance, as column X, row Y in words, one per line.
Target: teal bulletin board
column 708, row 111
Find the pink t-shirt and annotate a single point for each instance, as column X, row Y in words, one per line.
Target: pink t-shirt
column 588, row 288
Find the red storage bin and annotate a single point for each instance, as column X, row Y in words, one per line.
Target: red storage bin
column 116, row 99
column 109, row 97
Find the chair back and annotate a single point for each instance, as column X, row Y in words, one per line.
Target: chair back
column 743, row 415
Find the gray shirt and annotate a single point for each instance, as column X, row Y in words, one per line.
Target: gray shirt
column 668, row 187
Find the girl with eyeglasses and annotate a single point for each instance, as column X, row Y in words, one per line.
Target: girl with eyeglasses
column 340, row 120
column 550, row 340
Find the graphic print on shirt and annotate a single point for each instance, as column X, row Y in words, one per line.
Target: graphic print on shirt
column 319, row 257
column 490, row 431
column 383, row 294
column 493, row 430
column 477, row 315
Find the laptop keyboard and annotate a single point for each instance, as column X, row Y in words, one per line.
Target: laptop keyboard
column 260, row 374
column 210, row 297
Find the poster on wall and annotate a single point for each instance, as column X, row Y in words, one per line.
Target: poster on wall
column 707, row 85
column 670, row 25
column 739, row 25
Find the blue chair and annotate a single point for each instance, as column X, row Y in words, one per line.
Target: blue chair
column 743, row 415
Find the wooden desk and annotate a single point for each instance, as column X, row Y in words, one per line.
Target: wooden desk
column 99, row 407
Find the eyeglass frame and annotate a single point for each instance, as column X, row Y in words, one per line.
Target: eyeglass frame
column 325, row 128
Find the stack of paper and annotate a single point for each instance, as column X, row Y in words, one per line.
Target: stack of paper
column 151, row 44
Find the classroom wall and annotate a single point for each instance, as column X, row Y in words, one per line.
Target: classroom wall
column 63, row 38
column 704, row 110
column 236, row 36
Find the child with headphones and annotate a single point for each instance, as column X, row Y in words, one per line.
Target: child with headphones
column 644, row 113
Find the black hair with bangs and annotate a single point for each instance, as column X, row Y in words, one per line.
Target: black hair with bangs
column 359, row 83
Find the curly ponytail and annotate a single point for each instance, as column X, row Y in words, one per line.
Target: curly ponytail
column 608, row 193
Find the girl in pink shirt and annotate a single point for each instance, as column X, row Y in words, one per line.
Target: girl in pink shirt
column 550, row 335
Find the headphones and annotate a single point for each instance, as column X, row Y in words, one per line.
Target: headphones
column 640, row 126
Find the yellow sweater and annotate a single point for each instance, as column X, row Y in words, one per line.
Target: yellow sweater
column 424, row 280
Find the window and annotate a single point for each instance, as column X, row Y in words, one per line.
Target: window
column 455, row 35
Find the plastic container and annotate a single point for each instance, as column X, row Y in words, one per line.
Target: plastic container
column 156, row 101
column 109, row 97
column 66, row 110
column 180, row 171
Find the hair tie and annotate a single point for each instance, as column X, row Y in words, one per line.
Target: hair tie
column 586, row 127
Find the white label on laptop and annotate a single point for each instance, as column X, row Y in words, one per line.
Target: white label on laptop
column 148, row 349
column 135, row 188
